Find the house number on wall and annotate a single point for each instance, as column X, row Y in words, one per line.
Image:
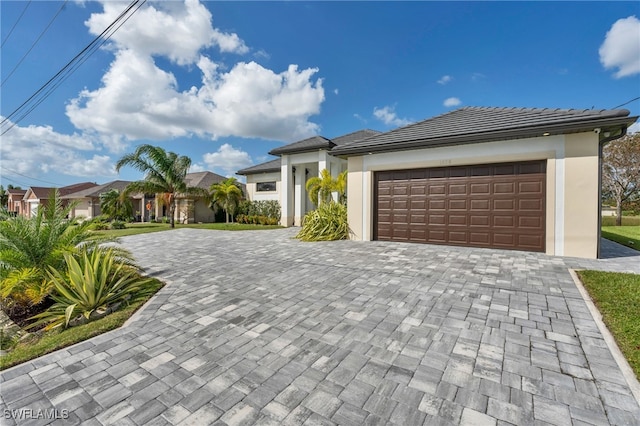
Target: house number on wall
column 445, row 162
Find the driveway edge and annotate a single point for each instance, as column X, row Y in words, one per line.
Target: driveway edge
column 622, row 362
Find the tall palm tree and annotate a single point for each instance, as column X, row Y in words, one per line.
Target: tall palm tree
column 165, row 173
column 227, row 194
column 320, row 187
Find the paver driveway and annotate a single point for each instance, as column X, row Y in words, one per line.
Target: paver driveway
column 257, row 328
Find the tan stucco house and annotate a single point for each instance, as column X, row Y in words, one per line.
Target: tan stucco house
column 511, row 178
column 87, row 201
column 37, row 196
column 15, row 205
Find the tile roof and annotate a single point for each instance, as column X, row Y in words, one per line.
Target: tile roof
column 43, row 192
column 203, row 180
column 96, row 191
column 269, row 166
column 16, row 192
column 484, row 124
column 309, row 144
column 354, row 137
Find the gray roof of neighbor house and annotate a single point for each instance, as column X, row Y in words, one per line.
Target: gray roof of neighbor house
column 269, row 166
column 203, row 180
column 315, row 143
column 484, row 124
column 96, row 191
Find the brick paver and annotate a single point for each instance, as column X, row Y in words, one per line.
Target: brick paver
column 259, row 328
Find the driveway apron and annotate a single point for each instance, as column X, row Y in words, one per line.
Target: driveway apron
column 256, row 327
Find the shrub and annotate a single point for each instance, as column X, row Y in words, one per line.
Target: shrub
column 327, row 223
column 116, row 224
column 259, row 212
column 92, row 286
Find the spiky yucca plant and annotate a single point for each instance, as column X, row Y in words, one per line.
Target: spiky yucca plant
column 29, row 247
column 327, row 223
column 93, row 285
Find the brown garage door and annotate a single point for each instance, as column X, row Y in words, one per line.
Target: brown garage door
column 489, row 205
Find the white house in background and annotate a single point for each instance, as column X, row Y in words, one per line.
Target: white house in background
column 87, row 201
column 511, row 178
column 283, row 179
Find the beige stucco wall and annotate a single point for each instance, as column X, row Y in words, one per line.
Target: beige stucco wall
column 571, row 189
column 254, row 195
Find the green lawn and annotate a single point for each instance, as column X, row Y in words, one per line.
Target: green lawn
column 41, row 344
column 143, row 228
column 617, row 297
column 625, row 235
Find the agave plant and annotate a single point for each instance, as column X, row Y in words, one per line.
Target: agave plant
column 327, row 223
column 30, row 246
column 93, row 285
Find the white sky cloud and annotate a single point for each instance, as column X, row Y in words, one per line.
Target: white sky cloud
column 388, row 116
column 445, row 79
column 35, row 149
column 451, row 102
column 621, row 47
column 228, row 159
column 139, row 100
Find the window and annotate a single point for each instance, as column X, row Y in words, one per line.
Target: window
column 265, row 186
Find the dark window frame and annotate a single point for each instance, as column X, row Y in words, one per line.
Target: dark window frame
column 271, row 186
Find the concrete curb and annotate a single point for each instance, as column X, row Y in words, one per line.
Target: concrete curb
column 624, row 366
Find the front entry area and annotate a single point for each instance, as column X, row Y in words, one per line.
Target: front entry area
column 489, row 205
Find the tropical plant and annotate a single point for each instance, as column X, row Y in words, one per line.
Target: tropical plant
column 621, row 171
column 227, row 195
column 165, row 173
column 30, row 246
column 327, row 223
column 92, row 286
column 116, row 205
column 266, row 212
column 321, row 187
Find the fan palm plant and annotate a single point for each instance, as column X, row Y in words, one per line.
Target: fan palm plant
column 165, row 173
column 321, row 187
column 29, row 247
column 116, row 205
column 227, row 195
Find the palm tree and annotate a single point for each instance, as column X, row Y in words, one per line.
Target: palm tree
column 116, row 205
column 165, row 173
column 320, row 187
column 227, row 194
column 30, row 247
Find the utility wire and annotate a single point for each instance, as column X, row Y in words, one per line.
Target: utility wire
column 628, row 102
column 34, row 43
column 16, row 24
column 46, row 89
column 29, row 177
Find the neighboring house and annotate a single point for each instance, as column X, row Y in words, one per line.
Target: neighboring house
column 15, row 204
column 284, row 179
column 194, row 209
column 38, row 196
column 87, row 201
column 513, row 178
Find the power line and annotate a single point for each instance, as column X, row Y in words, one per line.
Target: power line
column 54, row 82
column 34, row 43
column 16, row 23
column 29, row 177
column 628, row 102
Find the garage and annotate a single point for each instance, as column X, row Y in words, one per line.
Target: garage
column 489, row 205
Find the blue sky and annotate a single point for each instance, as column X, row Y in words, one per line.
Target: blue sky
column 225, row 82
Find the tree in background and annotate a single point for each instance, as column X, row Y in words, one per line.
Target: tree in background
column 227, row 195
column 165, row 173
column 4, row 198
column 116, row 205
column 621, row 171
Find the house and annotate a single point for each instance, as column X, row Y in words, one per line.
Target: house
column 190, row 209
column 509, row 178
column 283, row 179
column 14, row 201
column 37, row 196
column 87, row 201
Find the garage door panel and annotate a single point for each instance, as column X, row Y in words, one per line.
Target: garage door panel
column 493, row 205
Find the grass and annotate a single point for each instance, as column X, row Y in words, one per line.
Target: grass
column 625, row 235
column 626, row 221
column 617, row 297
column 144, row 228
column 39, row 345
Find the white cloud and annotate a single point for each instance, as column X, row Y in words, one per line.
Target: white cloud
column 445, row 79
column 621, row 47
column 34, row 150
column 336, row 91
column 228, row 159
column 139, row 100
column 634, row 128
column 359, row 117
column 388, row 116
column 451, row 102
